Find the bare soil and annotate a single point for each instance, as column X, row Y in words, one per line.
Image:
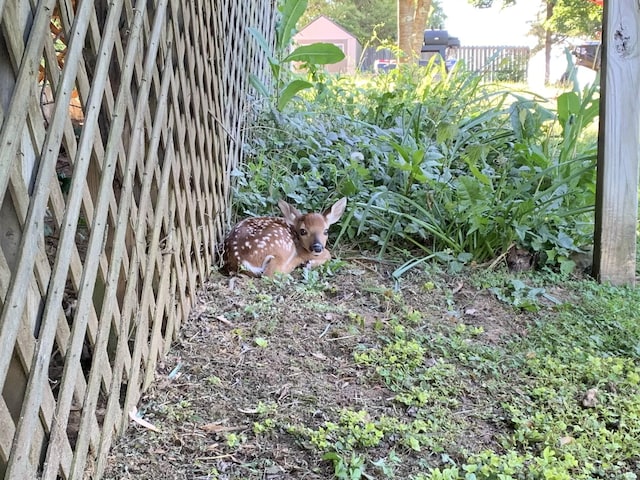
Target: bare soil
column 286, row 347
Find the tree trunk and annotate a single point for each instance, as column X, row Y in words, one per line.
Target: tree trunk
column 548, row 43
column 412, row 21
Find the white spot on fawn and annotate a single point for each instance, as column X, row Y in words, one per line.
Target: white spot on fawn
column 270, row 242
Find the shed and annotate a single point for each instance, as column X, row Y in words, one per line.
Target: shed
column 323, row 29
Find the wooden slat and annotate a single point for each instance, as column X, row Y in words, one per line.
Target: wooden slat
column 15, row 116
column 25, row 345
column 477, row 59
column 7, row 427
column 619, row 137
column 100, row 347
column 164, row 274
column 150, row 188
column 121, row 227
column 85, row 303
column 11, row 132
column 38, row 375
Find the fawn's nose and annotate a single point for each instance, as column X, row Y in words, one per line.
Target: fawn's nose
column 316, row 247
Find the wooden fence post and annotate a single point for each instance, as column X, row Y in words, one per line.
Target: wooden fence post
column 618, row 145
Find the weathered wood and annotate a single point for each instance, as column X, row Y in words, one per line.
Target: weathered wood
column 618, row 152
column 15, row 115
column 88, row 280
column 108, row 265
column 164, row 270
column 38, row 380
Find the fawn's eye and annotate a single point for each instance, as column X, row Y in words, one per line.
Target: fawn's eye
column 326, row 232
column 303, row 232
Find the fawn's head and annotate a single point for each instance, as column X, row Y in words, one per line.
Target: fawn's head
column 312, row 229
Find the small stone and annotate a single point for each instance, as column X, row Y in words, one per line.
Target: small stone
column 590, row 398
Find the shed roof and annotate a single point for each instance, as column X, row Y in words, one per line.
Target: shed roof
column 325, row 18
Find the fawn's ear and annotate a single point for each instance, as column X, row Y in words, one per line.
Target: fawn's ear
column 333, row 214
column 289, row 212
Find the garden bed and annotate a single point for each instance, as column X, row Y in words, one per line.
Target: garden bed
column 353, row 375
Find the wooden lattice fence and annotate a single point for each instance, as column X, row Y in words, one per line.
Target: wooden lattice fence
column 120, row 121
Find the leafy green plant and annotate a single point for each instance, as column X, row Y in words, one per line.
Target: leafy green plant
column 519, row 294
column 438, row 166
column 281, row 59
column 234, row 440
column 351, row 468
column 551, row 392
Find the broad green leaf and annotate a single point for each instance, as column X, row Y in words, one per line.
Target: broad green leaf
column 568, row 104
column 290, row 91
column 446, row 132
column 565, row 241
column 402, row 151
column 262, row 42
column 475, row 171
column 567, row 266
column 258, row 85
column 417, row 157
column 316, row 53
column 291, row 12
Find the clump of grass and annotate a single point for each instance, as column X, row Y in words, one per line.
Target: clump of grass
column 563, row 400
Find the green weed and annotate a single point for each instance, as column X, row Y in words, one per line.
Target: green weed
column 562, row 400
column 436, row 166
column 280, row 57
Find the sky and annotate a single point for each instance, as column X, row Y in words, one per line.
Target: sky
column 490, row 26
column 506, row 26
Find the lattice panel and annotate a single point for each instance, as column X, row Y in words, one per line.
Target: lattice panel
column 120, row 122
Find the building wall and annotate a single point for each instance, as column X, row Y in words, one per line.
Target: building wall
column 324, row 30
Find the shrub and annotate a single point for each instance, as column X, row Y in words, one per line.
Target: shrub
column 435, row 164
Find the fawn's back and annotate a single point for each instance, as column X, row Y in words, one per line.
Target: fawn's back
column 266, row 245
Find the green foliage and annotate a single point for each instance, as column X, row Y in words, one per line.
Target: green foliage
column 555, row 431
column 362, row 17
column 519, row 294
column 346, row 469
column 604, row 321
column 280, row 59
column 576, row 18
column 571, row 18
column 436, row 165
column 561, row 399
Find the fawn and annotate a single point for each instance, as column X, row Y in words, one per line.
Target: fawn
column 266, row 245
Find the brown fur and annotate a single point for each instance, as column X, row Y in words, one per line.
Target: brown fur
column 266, row 245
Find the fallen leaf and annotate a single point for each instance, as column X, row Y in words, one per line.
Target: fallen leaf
column 590, row 399
column 133, row 415
column 221, row 318
column 216, row 427
column 566, row 440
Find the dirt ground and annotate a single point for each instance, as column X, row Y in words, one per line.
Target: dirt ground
column 284, row 350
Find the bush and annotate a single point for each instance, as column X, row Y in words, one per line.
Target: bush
column 435, row 164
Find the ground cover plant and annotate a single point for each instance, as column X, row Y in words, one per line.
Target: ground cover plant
column 348, row 373
column 416, row 354
column 436, row 165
